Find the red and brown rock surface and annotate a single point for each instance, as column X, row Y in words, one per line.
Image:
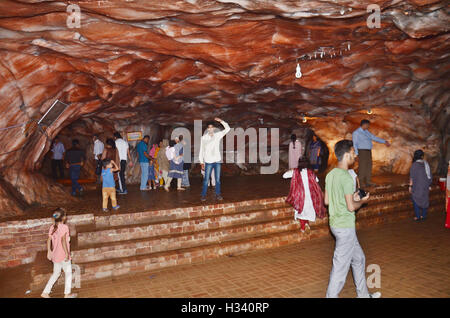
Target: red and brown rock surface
column 162, row 64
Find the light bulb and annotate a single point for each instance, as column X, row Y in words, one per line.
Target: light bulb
column 369, row 111
column 304, row 119
column 348, row 46
column 298, row 71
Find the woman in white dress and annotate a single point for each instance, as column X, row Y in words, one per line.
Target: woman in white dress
column 305, row 194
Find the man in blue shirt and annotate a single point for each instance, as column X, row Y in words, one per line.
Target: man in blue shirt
column 142, row 150
column 362, row 142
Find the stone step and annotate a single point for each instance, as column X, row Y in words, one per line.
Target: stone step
column 179, row 241
column 130, row 232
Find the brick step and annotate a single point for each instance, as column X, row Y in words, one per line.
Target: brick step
column 185, row 213
column 400, row 193
column 179, row 241
column 151, row 261
column 382, row 206
column 190, row 239
column 129, row 232
column 157, row 228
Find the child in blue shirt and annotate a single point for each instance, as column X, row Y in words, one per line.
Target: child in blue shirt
column 109, row 185
column 151, row 174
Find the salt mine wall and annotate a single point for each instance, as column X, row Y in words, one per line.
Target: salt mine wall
column 151, row 68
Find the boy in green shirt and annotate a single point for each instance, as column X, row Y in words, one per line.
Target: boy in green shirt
column 342, row 204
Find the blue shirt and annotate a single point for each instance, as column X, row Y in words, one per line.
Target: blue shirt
column 108, row 178
column 362, row 139
column 141, row 148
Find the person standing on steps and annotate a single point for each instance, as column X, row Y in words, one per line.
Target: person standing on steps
column 210, row 157
column 305, row 194
column 362, row 142
column 124, row 153
column 343, row 202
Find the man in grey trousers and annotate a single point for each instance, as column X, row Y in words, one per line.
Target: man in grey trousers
column 342, row 204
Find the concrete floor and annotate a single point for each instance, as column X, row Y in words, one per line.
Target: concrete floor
column 234, row 189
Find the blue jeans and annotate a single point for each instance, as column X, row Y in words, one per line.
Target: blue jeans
column 144, row 174
column 418, row 209
column 74, row 172
column 208, row 167
column 185, row 179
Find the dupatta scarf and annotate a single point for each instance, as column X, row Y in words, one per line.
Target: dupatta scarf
column 296, row 196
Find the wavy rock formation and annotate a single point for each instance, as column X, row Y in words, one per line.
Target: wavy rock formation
column 163, row 64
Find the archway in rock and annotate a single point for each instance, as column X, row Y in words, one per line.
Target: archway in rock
column 131, row 64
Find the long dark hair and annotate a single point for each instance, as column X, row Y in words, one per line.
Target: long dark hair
column 324, row 151
column 293, row 139
column 58, row 216
column 303, row 163
column 418, row 154
column 111, row 142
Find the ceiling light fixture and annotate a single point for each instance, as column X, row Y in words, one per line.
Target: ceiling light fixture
column 369, row 111
column 304, row 119
column 298, row 71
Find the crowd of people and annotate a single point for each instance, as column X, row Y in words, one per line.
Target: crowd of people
column 344, row 194
column 161, row 163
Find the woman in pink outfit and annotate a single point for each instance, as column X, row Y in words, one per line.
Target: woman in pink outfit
column 295, row 152
column 58, row 251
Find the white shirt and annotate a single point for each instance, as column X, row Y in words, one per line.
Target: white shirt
column 354, row 176
column 98, row 148
column 210, row 146
column 58, row 151
column 122, row 147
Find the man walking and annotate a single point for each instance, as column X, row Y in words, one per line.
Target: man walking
column 124, row 153
column 142, row 148
column 57, row 158
column 362, row 142
column 75, row 158
column 210, row 157
column 342, row 204
column 98, row 150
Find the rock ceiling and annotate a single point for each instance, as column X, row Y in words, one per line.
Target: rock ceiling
column 171, row 62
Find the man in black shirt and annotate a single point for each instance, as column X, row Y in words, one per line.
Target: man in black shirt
column 75, row 158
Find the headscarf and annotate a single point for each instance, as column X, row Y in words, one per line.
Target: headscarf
column 152, row 151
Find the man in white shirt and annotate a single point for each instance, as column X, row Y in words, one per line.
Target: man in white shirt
column 98, row 150
column 57, row 158
column 210, row 157
column 124, row 153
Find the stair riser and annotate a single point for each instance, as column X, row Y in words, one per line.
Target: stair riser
column 145, row 231
column 159, row 245
column 319, row 229
column 184, row 213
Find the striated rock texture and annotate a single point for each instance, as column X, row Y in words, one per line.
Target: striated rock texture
column 163, row 64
